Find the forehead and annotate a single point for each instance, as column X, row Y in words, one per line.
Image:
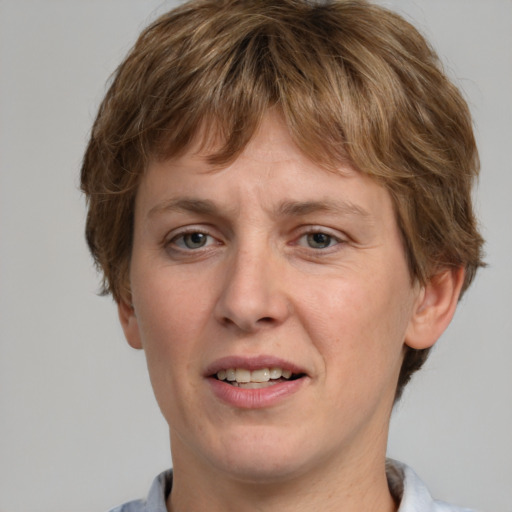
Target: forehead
column 271, row 174
column 268, row 139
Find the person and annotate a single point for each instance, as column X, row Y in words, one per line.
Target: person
column 279, row 199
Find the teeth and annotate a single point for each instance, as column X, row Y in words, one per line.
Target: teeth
column 242, row 375
column 276, row 373
column 262, row 375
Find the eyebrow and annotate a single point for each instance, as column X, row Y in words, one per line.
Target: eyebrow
column 299, row 208
column 192, row 205
column 285, row 209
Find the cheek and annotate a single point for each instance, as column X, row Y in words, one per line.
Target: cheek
column 169, row 320
column 168, row 306
column 169, row 323
column 358, row 325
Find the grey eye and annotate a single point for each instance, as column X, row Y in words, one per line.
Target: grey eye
column 318, row 240
column 194, row 240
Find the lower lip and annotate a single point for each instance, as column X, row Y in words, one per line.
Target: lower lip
column 255, row 398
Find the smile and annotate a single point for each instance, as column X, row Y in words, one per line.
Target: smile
column 255, row 379
column 255, row 382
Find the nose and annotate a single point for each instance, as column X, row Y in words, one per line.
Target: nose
column 253, row 296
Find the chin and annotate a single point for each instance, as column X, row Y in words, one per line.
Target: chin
column 262, row 458
column 269, row 471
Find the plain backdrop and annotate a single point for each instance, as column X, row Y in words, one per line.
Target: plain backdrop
column 79, row 427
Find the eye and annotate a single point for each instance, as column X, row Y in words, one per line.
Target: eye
column 192, row 240
column 318, row 240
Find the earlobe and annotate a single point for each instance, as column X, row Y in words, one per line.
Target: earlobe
column 129, row 324
column 434, row 309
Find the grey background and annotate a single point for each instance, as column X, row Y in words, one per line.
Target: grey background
column 79, row 428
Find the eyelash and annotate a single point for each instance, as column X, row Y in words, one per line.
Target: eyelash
column 333, row 240
column 182, row 236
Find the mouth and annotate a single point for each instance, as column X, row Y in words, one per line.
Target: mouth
column 255, row 382
column 256, row 379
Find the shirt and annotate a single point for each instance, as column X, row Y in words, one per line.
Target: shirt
column 404, row 484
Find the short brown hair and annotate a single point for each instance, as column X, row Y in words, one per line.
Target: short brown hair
column 354, row 83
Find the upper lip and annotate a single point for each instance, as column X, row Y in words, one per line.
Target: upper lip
column 251, row 363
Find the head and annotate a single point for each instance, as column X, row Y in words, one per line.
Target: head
column 353, row 83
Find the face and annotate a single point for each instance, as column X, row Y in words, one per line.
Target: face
column 272, row 299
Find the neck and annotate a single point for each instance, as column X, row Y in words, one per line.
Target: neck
column 345, row 488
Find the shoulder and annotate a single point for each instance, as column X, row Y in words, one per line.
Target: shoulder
column 412, row 494
column 156, row 498
column 131, row 506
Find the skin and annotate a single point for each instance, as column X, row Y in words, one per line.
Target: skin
column 340, row 311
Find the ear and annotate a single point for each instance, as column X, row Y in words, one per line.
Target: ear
column 129, row 324
column 434, row 308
